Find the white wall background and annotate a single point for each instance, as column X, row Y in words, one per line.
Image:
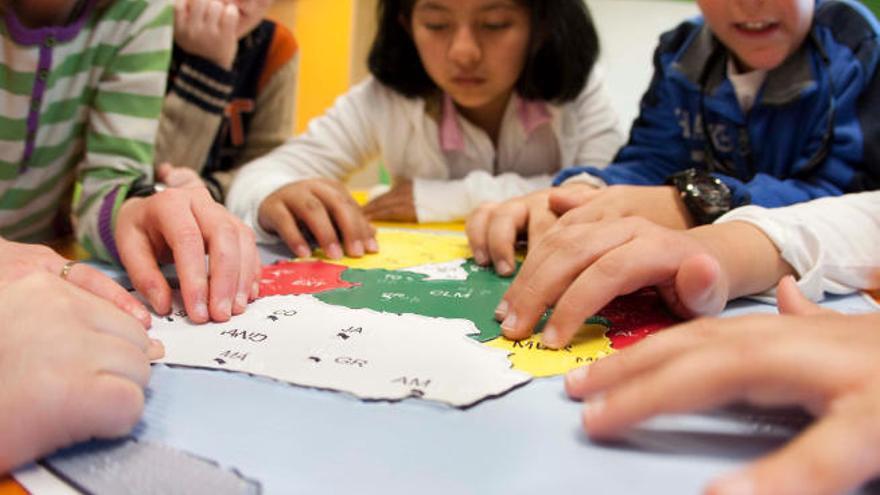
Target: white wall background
column 628, row 31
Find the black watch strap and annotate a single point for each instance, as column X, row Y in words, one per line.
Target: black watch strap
column 705, row 196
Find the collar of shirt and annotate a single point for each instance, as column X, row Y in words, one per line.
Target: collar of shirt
column 531, row 115
column 745, row 84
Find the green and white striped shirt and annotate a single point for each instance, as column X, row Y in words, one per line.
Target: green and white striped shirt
column 79, row 104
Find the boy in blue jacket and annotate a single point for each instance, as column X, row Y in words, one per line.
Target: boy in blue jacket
column 768, row 103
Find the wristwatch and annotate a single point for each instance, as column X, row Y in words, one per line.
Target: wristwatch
column 141, row 189
column 704, row 195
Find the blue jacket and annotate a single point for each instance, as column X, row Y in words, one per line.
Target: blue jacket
column 762, row 156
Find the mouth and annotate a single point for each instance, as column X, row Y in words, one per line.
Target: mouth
column 756, row 28
column 468, row 80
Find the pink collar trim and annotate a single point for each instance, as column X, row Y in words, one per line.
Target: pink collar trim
column 531, row 114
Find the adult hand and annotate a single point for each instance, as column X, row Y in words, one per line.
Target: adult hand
column 19, row 260
column 493, row 228
column 828, row 363
column 322, row 206
column 579, row 268
column 179, row 224
column 208, row 29
column 396, row 205
column 659, row 204
column 73, row 367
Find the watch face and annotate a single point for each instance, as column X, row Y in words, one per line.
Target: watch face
column 710, row 195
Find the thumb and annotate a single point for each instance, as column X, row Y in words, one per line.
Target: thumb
column 163, row 172
column 700, row 287
column 791, row 300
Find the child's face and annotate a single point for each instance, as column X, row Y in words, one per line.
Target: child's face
column 251, row 13
column 761, row 33
column 474, row 50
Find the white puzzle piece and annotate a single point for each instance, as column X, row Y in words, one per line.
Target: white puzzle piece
column 372, row 355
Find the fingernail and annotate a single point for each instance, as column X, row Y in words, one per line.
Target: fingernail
column 241, row 300
column 334, row 251
column 593, row 407
column 509, row 322
column 480, row 257
column 734, row 484
column 550, row 337
column 357, row 249
column 156, row 350
column 503, row 267
column 225, row 307
column 302, row 251
column 577, row 376
column 255, row 290
column 200, row 311
column 141, row 314
column 372, row 246
column 153, row 296
column 501, row 310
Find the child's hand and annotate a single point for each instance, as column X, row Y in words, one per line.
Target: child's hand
column 827, row 363
column 659, row 204
column 182, row 177
column 181, row 223
column 207, row 28
column 578, row 269
column 322, row 206
column 19, row 260
column 73, row 367
column 493, row 228
column 397, row 205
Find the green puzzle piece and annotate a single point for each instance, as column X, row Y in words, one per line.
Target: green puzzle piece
column 407, row 292
column 398, row 291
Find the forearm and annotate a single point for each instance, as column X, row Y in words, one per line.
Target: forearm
column 749, row 260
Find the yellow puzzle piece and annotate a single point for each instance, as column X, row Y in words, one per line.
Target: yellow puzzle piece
column 411, row 248
column 533, row 358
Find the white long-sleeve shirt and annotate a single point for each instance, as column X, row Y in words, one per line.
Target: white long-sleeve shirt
column 453, row 164
column 833, row 244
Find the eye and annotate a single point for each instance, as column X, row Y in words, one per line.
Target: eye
column 436, row 26
column 496, row 26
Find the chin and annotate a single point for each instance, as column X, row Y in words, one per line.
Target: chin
column 763, row 61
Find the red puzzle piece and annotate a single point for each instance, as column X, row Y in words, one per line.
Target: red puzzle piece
column 291, row 278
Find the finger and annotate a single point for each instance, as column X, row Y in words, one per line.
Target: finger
column 792, row 301
column 477, row 229
column 118, row 357
column 139, row 260
column 540, row 222
column 224, row 254
column 181, row 15
column 505, row 223
column 619, row 271
column 198, row 11
column 105, row 319
column 249, row 267
column 163, row 171
column 641, row 357
column 180, row 229
column 156, row 350
column 213, row 13
column 699, row 287
column 229, row 19
column 279, row 219
column 563, row 199
column 310, row 210
column 837, row 454
column 111, row 407
column 91, row 280
column 708, row 377
column 550, row 269
column 347, row 216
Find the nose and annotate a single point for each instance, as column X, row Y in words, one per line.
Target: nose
column 750, row 7
column 465, row 50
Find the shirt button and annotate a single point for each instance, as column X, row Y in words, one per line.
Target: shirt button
column 43, row 74
column 50, row 42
